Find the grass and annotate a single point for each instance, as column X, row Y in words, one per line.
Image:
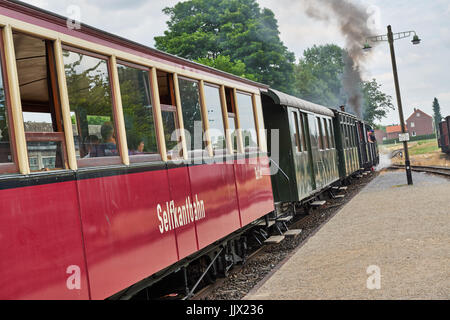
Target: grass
column 424, row 146
column 422, row 152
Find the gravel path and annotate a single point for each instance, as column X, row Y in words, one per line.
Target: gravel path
column 401, row 233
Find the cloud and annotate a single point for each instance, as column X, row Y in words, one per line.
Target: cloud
column 423, row 69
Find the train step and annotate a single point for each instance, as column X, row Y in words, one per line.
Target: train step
column 264, row 224
column 359, row 176
column 274, row 239
column 293, row 232
column 284, row 219
column 317, row 203
column 343, row 188
column 339, row 196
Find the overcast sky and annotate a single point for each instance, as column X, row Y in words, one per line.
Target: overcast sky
column 424, row 70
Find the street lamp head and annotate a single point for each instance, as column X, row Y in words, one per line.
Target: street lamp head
column 416, row 39
column 367, row 46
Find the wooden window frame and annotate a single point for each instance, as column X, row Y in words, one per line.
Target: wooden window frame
column 152, row 157
column 101, row 161
column 8, row 167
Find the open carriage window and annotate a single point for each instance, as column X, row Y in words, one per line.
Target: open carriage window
column 137, row 107
column 91, row 107
column 169, row 115
column 40, row 103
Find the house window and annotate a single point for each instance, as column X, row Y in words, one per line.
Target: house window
column 412, row 125
column 414, row 134
column 417, row 114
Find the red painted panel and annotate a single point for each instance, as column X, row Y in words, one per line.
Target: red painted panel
column 180, row 194
column 125, row 239
column 214, row 185
column 40, row 238
column 254, row 188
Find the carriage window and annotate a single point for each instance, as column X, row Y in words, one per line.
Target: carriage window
column 192, row 115
column 5, row 147
column 169, row 114
column 40, row 103
column 320, row 136
column 331, row 132
column 91, row 105
column 303, row 131
column 137, row 111
column 296, row 131
column 215, row 119
column 247, row 120
column 171, row 136
column 326, row 135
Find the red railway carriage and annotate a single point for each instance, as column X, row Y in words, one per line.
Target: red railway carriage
column 444, row 135
column 104, row 180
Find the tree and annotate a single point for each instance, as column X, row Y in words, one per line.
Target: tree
column 239, row 29
column 376, row 103
column 437, row 113
column 318, row 78
column 224, row 63
column 318, row 75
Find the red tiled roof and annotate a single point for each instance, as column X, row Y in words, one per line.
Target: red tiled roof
column 393, row 129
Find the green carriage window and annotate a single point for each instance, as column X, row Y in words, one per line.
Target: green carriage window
column 326, row 134
column 192, row 115
column 331, row 132
column 320, row 133
column 296, row 132
column 137, row 110
column 88, row 85
column 215, row 119
column 247, row 120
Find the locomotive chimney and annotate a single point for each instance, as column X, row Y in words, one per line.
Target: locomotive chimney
column 342, row 108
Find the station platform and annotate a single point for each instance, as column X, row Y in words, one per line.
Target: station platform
column 391, row 241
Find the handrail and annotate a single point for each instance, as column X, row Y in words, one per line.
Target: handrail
column 279, row 168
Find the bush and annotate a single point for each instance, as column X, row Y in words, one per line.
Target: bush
column 416, row 138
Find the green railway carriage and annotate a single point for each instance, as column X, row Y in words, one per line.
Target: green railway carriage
column 367, row 151
column 347, row 143
column 304, row 152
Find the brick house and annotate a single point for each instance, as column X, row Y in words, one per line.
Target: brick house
column 392, row 132
column 420, row 123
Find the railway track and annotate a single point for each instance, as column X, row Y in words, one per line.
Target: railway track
column 443, row 171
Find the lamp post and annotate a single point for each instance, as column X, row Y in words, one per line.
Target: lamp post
column 391, row 37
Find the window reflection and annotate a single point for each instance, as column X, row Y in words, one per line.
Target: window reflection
column 247, row 120
column 137, row 110
column 215, row 119
column 192, row 117
column 91, row 106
